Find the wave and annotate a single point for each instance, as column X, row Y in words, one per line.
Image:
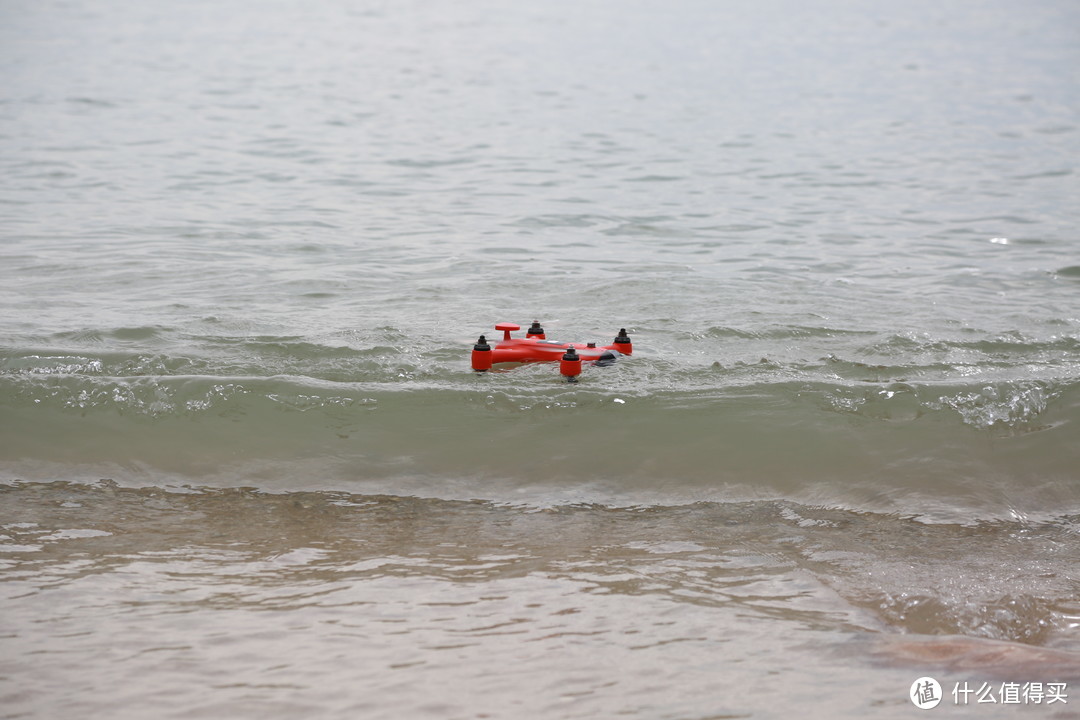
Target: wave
column 648, row 432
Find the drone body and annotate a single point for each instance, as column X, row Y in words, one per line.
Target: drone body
column 535, row 347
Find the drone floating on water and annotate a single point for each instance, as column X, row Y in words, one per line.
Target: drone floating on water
column 535, row 347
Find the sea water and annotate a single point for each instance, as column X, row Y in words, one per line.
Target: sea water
column 246, row 469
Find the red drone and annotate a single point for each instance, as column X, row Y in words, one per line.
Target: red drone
column 535, row 347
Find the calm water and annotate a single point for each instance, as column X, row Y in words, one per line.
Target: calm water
column 246, row 470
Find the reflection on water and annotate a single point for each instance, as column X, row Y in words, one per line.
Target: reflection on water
column 240, row 603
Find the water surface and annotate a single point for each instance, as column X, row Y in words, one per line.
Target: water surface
column 245, row 249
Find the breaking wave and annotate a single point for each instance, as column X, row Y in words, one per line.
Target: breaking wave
column 650, row 431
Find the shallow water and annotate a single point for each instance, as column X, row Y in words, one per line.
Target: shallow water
column 245, row 250
column 244, row 604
